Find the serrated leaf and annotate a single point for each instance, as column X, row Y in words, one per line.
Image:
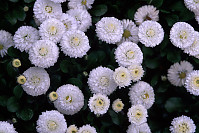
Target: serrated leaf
column 174, row 104
column 25, row 114
column 99, row 10
column 12, row 104
column 18, row 91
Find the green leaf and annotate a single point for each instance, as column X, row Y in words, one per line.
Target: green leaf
column 152, row 63
column 157, row 3
column 18, row 91
column 20, row 14
column 99, row 10
column 3, row 100
column 13, row 52
column 25, row 114
column 11, row 70
column 173, row 56
column 28, row 1
column 12, row 104
column 172, row 19
column 75, row 81
column 154, row 80
column 114, row 117
column 174, row 104
column 64, row 66
column 11, row 18
column 3, row 5
column 14, row 1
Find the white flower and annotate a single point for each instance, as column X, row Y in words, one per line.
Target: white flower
column 70, row 99
column 147, row 12
column 177, row 72
column 142, row 93
column 182, row 124
column 37, row 22
column 143, row 128
column 136, row 71
column 75, row 44
column 197, row 17
column 44, row 53
column 51, row 122
column 72, row 129
column 137, row 114
column 101, row 81
column 58, row 1
column 52, row 29
column 37, row 81
column 182, row 35
column 109, row 29
column 122, row 77
column 192, row 82
column 99, row 104
column 69, row 22
column 192, row 5
column 87, row 129
column 117, row 105
column 82, row 17
column 83, row 4
column 6, row 127
column 6, row 41
column 150, row 33
column 128, row 53
column 24, row 37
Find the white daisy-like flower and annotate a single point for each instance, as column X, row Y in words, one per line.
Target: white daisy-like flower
column 82, row 17
column 192, row 82
column 6, row 127
column 75, row 44
column 101, row 81
column 128, row 53
column 6, row 41
column 99, row 104
column 87, row 129
column 182, row 35
column 137, row 114
column 45, row 9
column 69, row 22
column 70, row 99
column 83, row 4
column 24, row 38
column 37, row 81
column 117, row 105
column 150, row 33
column 44, row 53
column 58, row 1
column 72, row 129
column 147, row 12
column 109, row 29
column 143, row 128
column 51, row 122
column 136, row 71
column 52, row 29
column 122, row 77
column 177, row 73
column 182, row 124
column 192, row 5
column 142, row 93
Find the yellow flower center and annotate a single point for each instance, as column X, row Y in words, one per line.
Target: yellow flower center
column 66, row 26
column 138, row 114
column 183, row 128
column 182, row 75
column 16, row 63
column 145, row 96
column 43, row 51
column 126, row 34
column 52, row 125
column 53, row 96
column 196, row 81
column 104, row 81
column 84, row 2
column 196, row 1
column 130, row 54
column 135, row 72
column 48, row 9
column 150, row 33
column 75, row 41
column 110, row 27
column 53, row 30
column 1, row 46
column 100, row 102
column 26, row 37
column 123, row 75
column 69, row 99
column 183, row 35
column 21, row 79
column 35, row 80
column 74, row 131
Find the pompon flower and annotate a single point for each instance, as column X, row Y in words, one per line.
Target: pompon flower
column 44, row 53
column 87, row 129
column 136, row 71
column 51, row 122
column 192, row 82
column 142, row 93
column 177, row 73
column 109, row 29
column 182, row 124
column 37, row 81
column 6, row 127
column 182, row 35
column 101, row 81
column 143, row 128
column 75, row 44
column 147, row 12
column 83, row 4
column 128, row 53
column 72, row 129
column 24, row 37
column 192, row 5
column 69, row 22
column 117, row 105
column 70, row 99
column 58, row 1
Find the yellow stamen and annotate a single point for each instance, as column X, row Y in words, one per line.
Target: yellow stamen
column 183, row 35
column 126, row 34
column 53, row 30
column 69, row 99
column 150, row 33
column 43, row 51
column 1, row 46
column 84, row 2
column 182, row 75
column 196, row 81
column 130, row 54
column 52, row 125
column 48, row 9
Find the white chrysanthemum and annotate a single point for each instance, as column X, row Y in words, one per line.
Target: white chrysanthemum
column 101, row 81
column 24, row 37
column 177, row 72
column 192, row 82
column 6, row 41
column 72, row 129
column 143, row 128
column 192, row 5
column 182, row 35
column 45, row 9
column 52, row 29
column 82, row 17
column 44, row 53
column 87, row 129
column 122, row 77
column 51, row 122
column 182, row 124
column 128, row 53
column 147, row 12
column 37, row 81
column 117, row 105
column 83, row 4
column 136, row 71
column 58, row 1
column 109, row 29
column 69, row 22
column 99, row 104
column 6, row 127
column 70, row 99
column 142, row 93
column 150, row 33
column 137, row 114
column 75, row 44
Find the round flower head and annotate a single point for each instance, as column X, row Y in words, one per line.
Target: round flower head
column 137, row 114
column 16, row 63
column 45, row 9
column 192, row 82
column 37, row 81
column 51, row 122
column 192, row 5
column 24, row 38
column 21, row 79
column 6, row 127
column 136, row 71
column 143, row 128
column 101, row 81
column 52, row 29
column 128, row 53
column 182, row 35
column 82, row 17
column 177, row 73
column 75, row 44
column 142, row 93
column 69, row 22
column 6, row 41
column 117, row 105
column 109, row 29
column 44, row 53
column 70, row 99
column 87, row 129
column 147, row 12
column 99, row 104
column 182, row 124
column 58, row 1
column 83, row 4
column 53, row 96
column 72, row 129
